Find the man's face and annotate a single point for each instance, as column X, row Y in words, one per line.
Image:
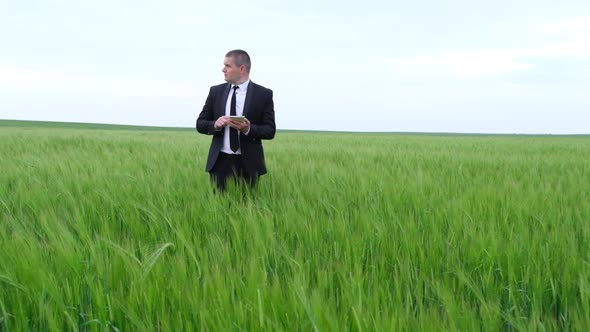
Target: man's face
column 231, row 72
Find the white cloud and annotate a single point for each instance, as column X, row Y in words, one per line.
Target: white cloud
column 574, row 38
column 570, row 39
column 466, row 64
column 579, row 48
column 46, row 80
column 562, row 39
column 489, row 62
column 572, row 25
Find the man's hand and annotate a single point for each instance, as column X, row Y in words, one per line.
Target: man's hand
column 243, row 126
column 221, row 122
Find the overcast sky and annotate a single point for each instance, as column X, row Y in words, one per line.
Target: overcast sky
column 504, row 66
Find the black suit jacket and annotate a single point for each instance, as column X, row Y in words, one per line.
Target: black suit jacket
column 258, row 108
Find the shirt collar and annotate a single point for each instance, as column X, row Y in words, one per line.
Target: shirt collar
column 243, row 86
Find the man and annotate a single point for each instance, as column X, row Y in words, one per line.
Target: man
column 236, row 147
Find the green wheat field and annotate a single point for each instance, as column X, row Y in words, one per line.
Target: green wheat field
column 116, row 228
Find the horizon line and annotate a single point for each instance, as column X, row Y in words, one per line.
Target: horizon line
column 151, row 127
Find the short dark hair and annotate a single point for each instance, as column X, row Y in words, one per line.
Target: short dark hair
column 240, row 57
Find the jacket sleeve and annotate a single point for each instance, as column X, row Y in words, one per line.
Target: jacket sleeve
column 266, row 128
column 205, row 121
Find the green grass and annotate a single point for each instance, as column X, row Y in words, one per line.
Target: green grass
column 108, row 229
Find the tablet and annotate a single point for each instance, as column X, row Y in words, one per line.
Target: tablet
column 237, row 118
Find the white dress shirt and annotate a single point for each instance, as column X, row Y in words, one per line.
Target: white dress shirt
column 240, row 99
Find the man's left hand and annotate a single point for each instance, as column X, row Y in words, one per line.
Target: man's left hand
column 243, row 126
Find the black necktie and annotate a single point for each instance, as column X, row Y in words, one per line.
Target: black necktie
column 234, row 142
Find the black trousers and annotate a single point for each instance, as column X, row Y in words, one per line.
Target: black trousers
column 229, row 166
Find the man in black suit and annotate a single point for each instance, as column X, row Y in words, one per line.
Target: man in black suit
column 236, row 147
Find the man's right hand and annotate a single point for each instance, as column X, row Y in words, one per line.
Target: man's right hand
column 221, row 122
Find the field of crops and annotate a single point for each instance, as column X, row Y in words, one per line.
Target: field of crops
column 118, row 229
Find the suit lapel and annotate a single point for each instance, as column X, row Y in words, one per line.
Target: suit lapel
column 249, row 97
column 223, row 101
